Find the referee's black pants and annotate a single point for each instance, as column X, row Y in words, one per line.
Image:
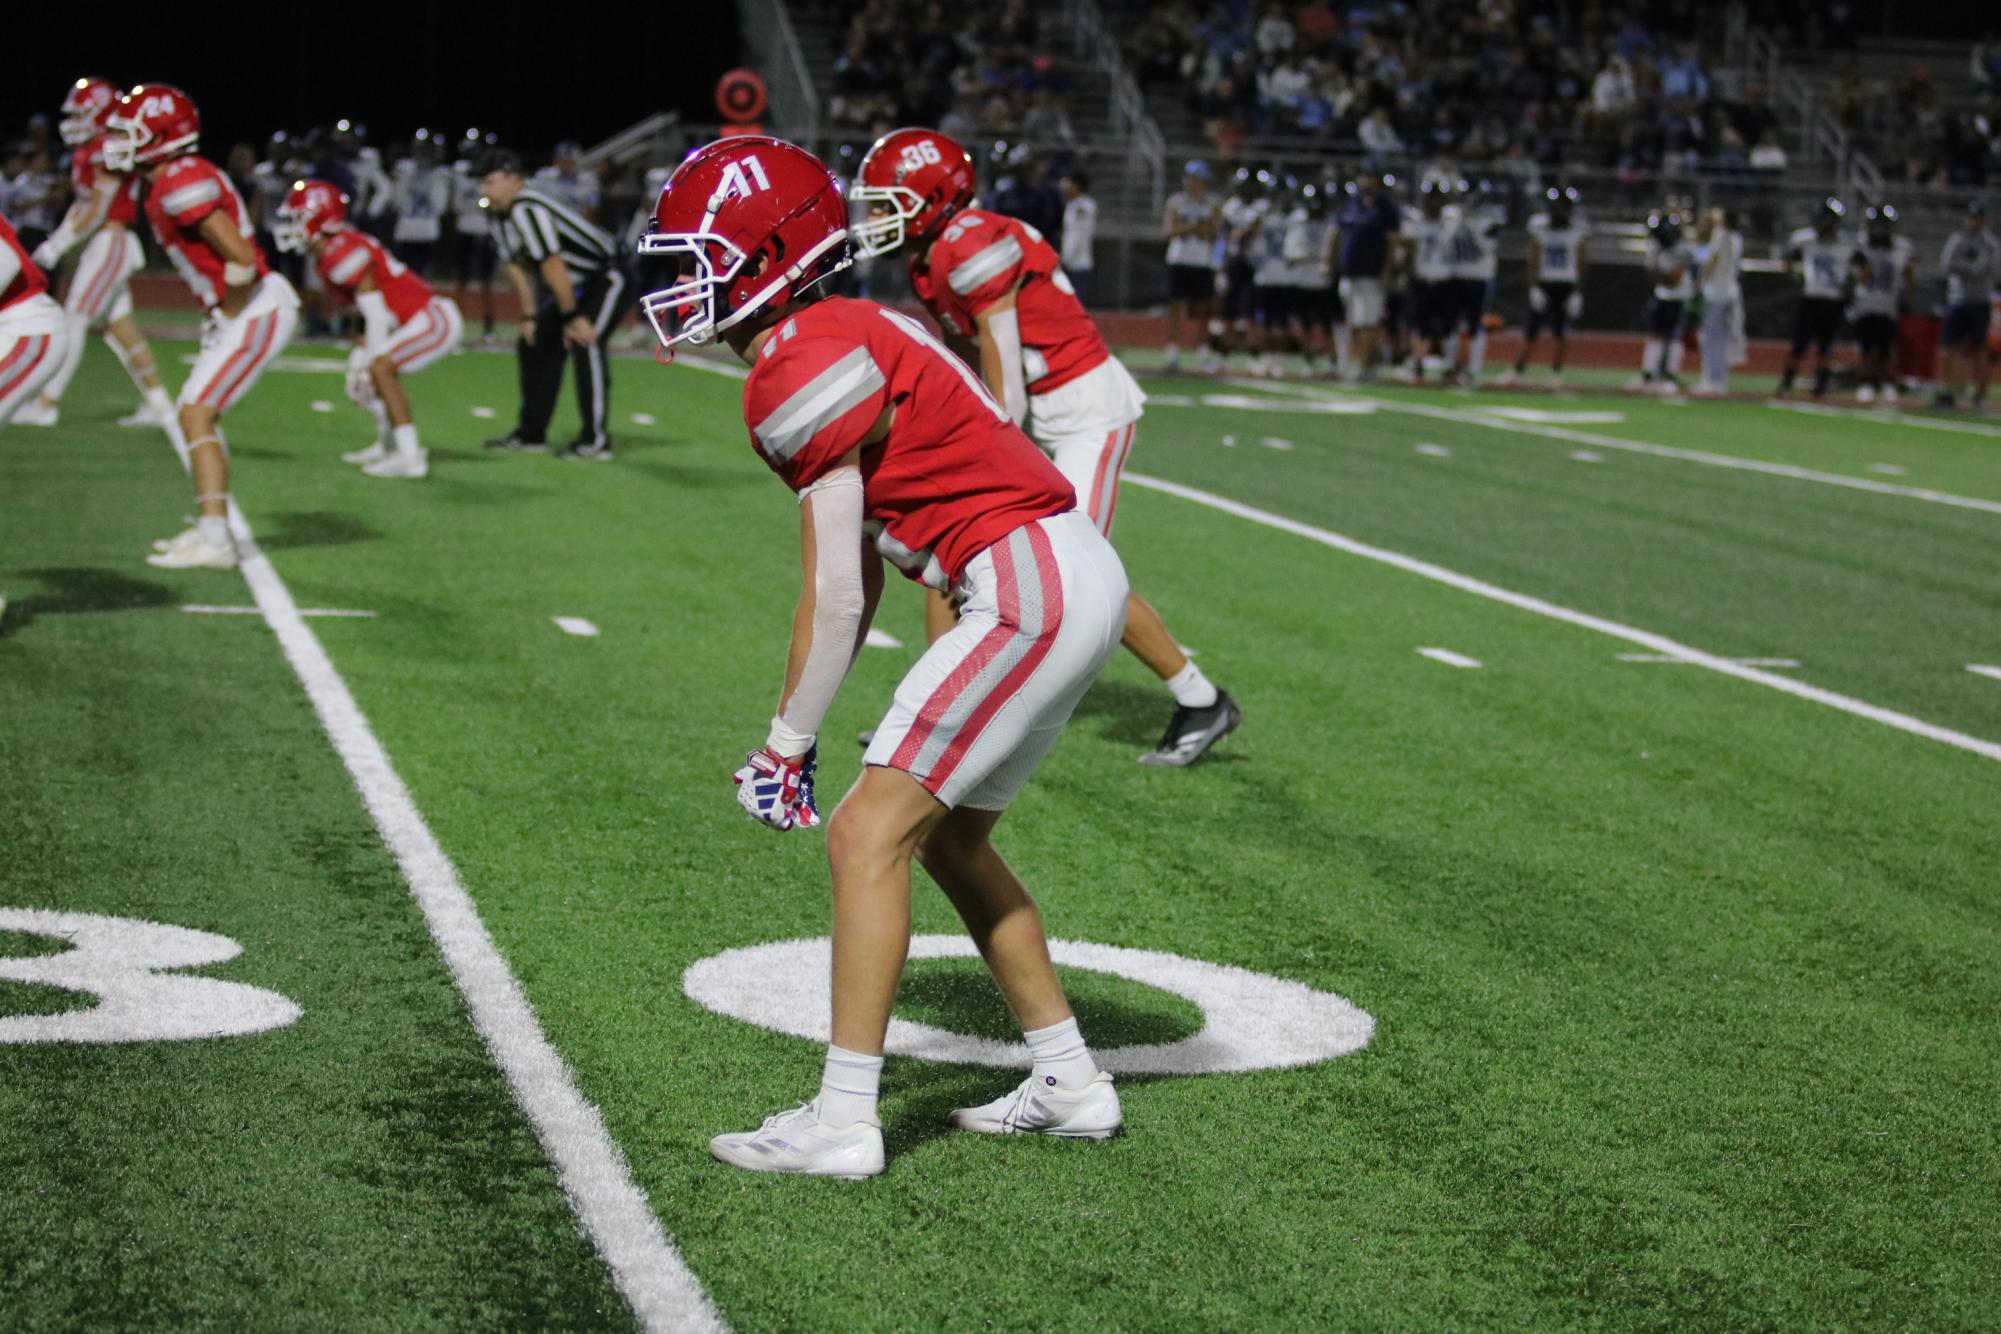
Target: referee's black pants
column 602, row 299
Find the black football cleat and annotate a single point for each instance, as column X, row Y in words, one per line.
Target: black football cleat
column 1190, row 732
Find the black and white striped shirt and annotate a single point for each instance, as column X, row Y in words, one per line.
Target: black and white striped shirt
column 539, row 226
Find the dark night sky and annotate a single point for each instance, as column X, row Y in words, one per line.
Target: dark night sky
column 536, row 71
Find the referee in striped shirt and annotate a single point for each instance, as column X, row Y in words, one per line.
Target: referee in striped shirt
column 567, row 274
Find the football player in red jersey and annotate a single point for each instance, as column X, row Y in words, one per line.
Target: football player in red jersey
column 897, row 451
column 405, row 327
column 998, row 291
column 101, row 215
column 203, row 225
column 31, row 325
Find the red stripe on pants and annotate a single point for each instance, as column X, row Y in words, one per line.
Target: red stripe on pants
column 969, row 668
column 1050, row 578
column 265, row 334
column 227, row 366
column 1118, row 471
column 427, row 342
column 34, row 348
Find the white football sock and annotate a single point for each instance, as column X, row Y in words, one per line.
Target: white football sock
column 406, row 439
column 1061, row 1056
column 155, row 397
column 1344, row 348
column 1476, row 354
column 1676, row 351
column 383, row 428
column 214, row 529
column 848, row 1087
column 1191, row 689
column 1650, row 358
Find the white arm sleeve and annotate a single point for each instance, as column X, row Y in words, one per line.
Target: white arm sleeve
column 10, row 267
column 1005, row 329
column 375, row 321
column 838, row 605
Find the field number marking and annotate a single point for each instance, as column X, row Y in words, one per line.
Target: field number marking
column 1250, row 1021
column 118, row 960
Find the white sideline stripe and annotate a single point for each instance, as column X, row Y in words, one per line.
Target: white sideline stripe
column 210, row 609
column 1580, row 418
column 881, row 639
column 1977, row 668
column 306, row 365
column 1890, row 415
column 651, row 1274
column 1903, row 722
column 1741, row 662
column 1493, row 423
column 575, row 625
column 1449, row 658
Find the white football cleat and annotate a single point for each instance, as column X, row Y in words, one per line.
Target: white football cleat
column 35, row 413
column 400, row 464
column 1866, row 394
column 186, row 534
column 192, row 551
column 375, row 453
column 146, row 415
column 1044, row 1107
column 797, row 1142
column 1890, row 394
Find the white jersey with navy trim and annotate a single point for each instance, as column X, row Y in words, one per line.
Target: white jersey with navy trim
column 1562, row 248
column 1824, row 262
column 1881, row 288
column 1192, row 248
column 1476, row 246
column 1431, row 242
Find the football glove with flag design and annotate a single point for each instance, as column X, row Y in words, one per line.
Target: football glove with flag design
column 778, row 791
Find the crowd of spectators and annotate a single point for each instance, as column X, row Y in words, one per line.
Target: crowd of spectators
column 994, row 71
column 1924, row 131
column 1489, row 83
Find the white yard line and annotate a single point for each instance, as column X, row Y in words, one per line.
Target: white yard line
column 881, row 639
column 1902, row 722
column 1703, row 457
column 210, row 609
column 1449, row 658
column 663, row 1291
column 1977, row 668
column 1741, row 662
column 1889, row 416
column 576, row 625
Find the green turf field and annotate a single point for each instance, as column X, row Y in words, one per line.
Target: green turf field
column 1685, row 991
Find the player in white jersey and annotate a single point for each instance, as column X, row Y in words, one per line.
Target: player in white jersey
column 1671, row 265
column 1242, row 215
column 1884, row 281
column 1971, row 263
column 1192, row 226
column 1557, row 242
column 1308, row 250
column 1821, row 259
column 1274, row 292
column 1476, row 258
column 1426, row 251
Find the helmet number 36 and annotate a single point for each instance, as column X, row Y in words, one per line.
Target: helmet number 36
column 923, row 153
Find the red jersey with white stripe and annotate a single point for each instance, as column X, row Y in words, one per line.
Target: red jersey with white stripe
column 982, row 257
column 348, row 256
column 185, row 193
column 954, row 475
column 25, row 279
column 86, row 172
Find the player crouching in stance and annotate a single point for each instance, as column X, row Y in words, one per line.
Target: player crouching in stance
column 100, row 217
column 201, row 222
column 884, row 435
column 404, row 327
column 998, row 291
column 31, row 326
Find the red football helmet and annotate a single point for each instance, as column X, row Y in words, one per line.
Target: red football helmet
column 912, row 181
column 308, row 209
column 84, row 107
column 153, row 122
column 751, row 221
